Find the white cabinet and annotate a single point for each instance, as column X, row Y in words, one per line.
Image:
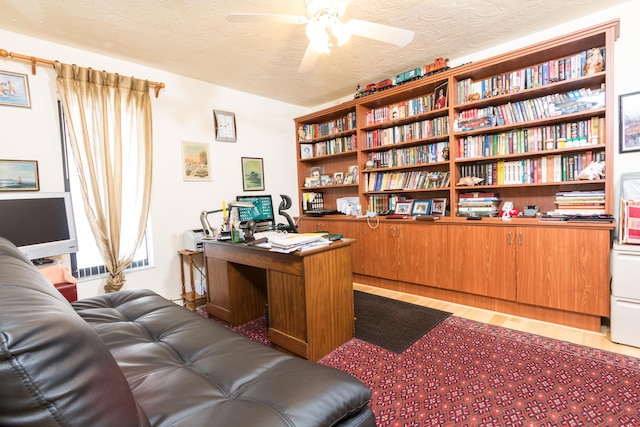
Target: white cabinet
column 625, row 294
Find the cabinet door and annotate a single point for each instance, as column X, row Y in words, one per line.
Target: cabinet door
column 422, row 253
column 482, row 260
column 375, row 253
column 564, row 268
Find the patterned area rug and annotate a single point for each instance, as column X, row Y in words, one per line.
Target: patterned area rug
column 466, row 373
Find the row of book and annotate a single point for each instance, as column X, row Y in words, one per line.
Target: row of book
column 414, row 180
column 319, row 130
column 408, row 156
column 553, row 105
column 478, row 204
column 553, row 71
column 579, row 203
column 565, row 135
column 401, row 110
column 557, row 168
column 409, row 132
column 333, row 146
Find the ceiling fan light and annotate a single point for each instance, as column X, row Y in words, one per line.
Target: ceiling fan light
column 318, row 36
column 340, row 32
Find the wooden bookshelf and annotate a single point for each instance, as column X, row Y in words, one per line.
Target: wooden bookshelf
column 507, row 122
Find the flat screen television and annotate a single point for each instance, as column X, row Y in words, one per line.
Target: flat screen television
column 39, row 224
column 261, row 213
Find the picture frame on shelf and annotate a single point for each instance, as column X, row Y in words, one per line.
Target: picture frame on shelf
column 316, row 171
column 306, row 151
column 19, row 175
column 441, row 96
column 195, row 161
column 252, row 174
column 225, row 126
column 338, row 178
column 352, row 171
column 14, row 88
column 630, row 122
column 403, row 208
column 438, row 206
column 421, row 207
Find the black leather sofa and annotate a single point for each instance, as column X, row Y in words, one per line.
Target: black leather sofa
column 133, row 358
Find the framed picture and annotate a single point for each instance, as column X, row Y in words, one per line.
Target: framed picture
column 421, row 207
column 19, row 175
column 252, row 174
column 403, row 208
column 630, row 122
column 338, row 178
column 438, row 206
column 195, row 161
column 14, row 89
column 225, row 124
column 352, row 171
column 316, row 171
column 440, row 94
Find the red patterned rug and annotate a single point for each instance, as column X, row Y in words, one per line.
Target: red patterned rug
column 466, row 373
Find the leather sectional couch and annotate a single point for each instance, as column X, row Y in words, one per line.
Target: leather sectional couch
column 133, row 358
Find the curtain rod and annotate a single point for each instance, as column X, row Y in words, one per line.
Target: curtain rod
column 157, row 85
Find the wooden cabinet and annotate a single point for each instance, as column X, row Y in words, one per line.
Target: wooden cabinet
column 564, row 268
column 403, row 251
column 525, row 123
column 482, row 259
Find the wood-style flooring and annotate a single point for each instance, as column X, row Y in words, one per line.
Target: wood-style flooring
column 599, row 340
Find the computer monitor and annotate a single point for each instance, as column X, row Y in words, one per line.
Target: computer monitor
column 261, row 213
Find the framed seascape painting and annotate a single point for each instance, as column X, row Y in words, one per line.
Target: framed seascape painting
column 14, row 89
column 252, row 174
column 19, row 175
column 630, row 122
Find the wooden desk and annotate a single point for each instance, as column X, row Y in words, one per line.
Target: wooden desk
column 310, row 294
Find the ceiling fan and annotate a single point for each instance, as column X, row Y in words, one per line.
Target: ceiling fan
column 324, row 28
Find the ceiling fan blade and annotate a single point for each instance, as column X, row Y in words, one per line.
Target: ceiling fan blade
column 262, row 18
column 308, row 60
column 380, row 32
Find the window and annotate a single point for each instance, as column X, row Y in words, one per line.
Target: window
column 88, row 262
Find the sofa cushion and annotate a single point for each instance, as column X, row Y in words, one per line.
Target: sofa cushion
column 185, row 370
column 51, row 360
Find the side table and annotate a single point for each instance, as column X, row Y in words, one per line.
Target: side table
column 190, row 298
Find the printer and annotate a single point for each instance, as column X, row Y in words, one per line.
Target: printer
column 192, row 240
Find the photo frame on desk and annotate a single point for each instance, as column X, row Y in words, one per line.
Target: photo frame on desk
column 630, row 122
column 252, row 174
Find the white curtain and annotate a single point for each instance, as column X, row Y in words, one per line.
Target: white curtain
column 108, row 120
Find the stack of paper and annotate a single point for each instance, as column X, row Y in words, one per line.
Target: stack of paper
column 294, row 242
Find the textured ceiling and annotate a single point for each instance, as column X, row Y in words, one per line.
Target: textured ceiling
column 193, row 39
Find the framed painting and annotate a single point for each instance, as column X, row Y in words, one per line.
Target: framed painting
column 195, row 161
column 14, row 89
column 440, row 94
column 19, row 175
column 630, row 122
column 252, row 174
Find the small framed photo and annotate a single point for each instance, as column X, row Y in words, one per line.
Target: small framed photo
column 440, row 94
column 316, row 171
column 306, row 151
column 195, row 161
column 14, row 89
column 421, row 207
column 403, row 208
column 252, row 174
column 19, row 175
column 338, row 178
column 352, row 171
column 438, row 206
column 630, row 122
column 326, row 180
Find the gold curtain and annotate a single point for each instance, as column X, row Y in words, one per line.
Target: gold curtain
column 108, row 120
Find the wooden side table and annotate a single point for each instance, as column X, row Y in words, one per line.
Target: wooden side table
column 190, row 298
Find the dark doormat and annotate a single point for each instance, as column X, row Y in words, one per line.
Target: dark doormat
column 391, row 324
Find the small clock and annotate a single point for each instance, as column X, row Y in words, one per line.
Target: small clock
column 225, row 123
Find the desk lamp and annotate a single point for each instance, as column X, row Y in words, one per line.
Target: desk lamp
column 206, row 227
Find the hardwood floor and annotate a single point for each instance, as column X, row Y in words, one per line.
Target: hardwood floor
column 599, row 340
